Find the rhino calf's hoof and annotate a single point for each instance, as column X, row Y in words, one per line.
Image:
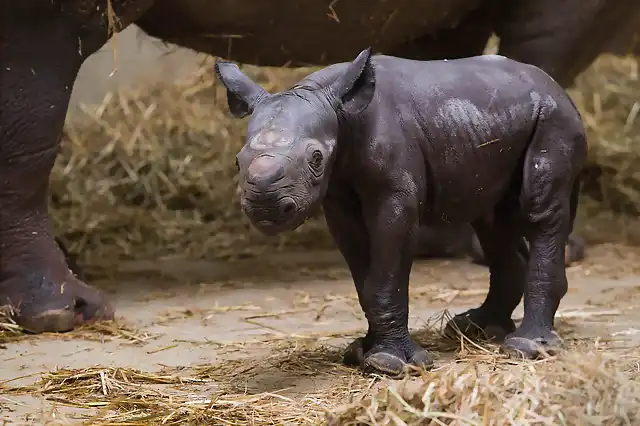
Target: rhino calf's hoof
column 479, row 324
column 533, row 345
column 392, row 360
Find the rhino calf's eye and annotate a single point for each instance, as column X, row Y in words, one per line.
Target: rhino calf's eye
column 316, row 159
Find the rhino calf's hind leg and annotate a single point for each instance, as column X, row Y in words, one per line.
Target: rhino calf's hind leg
column 40, row 60
column 549, row 197
column 500, row 241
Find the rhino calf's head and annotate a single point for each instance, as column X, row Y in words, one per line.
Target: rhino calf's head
column 292, row 139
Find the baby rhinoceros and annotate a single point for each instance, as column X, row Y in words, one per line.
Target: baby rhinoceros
column 386, row 144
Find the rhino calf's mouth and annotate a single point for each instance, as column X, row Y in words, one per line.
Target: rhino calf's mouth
column 272, row 217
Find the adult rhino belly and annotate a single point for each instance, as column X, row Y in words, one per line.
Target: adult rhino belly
column 298, row 32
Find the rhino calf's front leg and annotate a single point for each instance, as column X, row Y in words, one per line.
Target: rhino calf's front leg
column 391, row 223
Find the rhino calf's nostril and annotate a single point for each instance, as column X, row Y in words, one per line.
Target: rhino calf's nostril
column 288, row 207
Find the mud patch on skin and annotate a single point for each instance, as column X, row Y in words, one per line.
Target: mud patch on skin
column 462, row 115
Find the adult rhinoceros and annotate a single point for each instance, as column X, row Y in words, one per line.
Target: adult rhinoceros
column 44, row 42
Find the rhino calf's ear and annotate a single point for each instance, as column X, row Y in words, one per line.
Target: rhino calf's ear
column 354, row 90
column 242, row 93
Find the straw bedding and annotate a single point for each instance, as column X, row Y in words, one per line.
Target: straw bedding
column 579, row 389
column 608, row 95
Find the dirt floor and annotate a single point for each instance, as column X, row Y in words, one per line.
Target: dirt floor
column 201, row 316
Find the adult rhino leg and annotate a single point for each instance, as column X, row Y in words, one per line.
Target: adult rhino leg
column 39, row 57
column 42, row 45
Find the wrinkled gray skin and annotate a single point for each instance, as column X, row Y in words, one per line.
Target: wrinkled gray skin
column 71, row 260
column 385, row 144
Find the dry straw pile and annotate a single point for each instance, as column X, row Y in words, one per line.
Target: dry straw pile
column 9, row 330
column 608, row 96
column 591, row 383
column 153, row 172
column 579, row 389
column 204, row 394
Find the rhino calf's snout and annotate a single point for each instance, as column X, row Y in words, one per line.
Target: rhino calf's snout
column 270, row 214
column 267, row 199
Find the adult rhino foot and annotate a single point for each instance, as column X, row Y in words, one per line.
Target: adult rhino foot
column 536, row 343
column 394, row 359
column 41, row 305
column 43, row 286
column 480, row 323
